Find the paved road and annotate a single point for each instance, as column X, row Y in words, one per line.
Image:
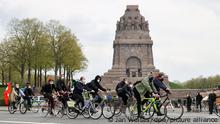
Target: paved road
column 35, row 118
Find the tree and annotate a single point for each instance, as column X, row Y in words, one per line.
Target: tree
column 32, row 47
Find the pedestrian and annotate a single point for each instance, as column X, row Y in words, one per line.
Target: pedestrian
column 211, row 101
column 188, row 103
column 199, row 101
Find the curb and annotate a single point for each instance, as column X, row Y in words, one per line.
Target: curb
column 3, row 108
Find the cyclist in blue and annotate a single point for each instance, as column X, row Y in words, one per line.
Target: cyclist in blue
column 78, row 90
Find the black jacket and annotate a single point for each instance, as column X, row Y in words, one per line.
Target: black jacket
column 123, row 88
column 212, row 97
column 94, row 85
column 28, row 92
column 48, row 89
column 79, row 88
column 189, row 100
column 60, row 85
column 199, row 98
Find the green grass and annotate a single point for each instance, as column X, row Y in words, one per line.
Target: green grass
column 2, row 89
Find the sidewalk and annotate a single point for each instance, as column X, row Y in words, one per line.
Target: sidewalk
column 3, row 108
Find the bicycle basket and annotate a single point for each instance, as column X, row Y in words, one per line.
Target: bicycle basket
column 71, row 103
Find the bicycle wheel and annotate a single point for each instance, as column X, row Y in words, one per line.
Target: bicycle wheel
column 117, row 109
column 11, row 108
column 35, row 106
column 85, row 113
column 161, row 117
column 71, row 113
column 108, row 110
column 131, row 111
column 95, row 110
column 44, row 109
column 58, row 109
column 173, row 113
column 149, row 113
column 23, row 107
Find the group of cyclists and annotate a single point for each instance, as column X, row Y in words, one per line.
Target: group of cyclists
column 17, row 93
column 147, row 87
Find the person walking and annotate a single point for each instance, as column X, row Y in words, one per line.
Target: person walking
column 188, row 103
column 199, row 101
column 211, row 101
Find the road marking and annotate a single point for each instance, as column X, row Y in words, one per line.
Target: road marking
column 23, row 122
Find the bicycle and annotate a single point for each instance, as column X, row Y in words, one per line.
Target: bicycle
column 35, row 106
column 152, row 105
column 74, row 110
column 105, row 108
column 56, row 111
column 120, row 108
column 13, row 106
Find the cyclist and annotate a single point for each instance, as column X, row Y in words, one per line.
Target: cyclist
column 16, row 94
column 158, row 83
column 124, row 90
column 78, row 90
column 62, row 90
column 28, row 92
column 47, row 91
column 144, row 88
column 95, row 86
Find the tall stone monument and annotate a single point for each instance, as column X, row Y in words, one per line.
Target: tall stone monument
column 133, row 55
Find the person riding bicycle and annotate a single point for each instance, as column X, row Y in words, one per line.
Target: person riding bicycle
column 124, row 90
column 62, row 90
column 158, row 83
column 95, row 86
column 16, row 94
column 78, row 90
column 28, row 92
column 47, row 91
column 144, row 88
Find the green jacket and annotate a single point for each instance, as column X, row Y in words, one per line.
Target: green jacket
column 145, row 86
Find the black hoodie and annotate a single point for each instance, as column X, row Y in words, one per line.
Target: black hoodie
column 94, row 85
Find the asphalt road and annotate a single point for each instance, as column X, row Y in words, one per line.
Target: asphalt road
column 36, row 118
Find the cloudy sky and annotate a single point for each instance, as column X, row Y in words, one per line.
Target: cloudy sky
column 186, row 33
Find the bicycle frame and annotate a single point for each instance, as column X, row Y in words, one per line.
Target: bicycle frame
column 152, row 102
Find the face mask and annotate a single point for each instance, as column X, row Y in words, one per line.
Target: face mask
column 83, row 81
column 51, row 82
column 131, row 85
column 98, row 80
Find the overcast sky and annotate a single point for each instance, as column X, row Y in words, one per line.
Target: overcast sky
column 186, row 33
